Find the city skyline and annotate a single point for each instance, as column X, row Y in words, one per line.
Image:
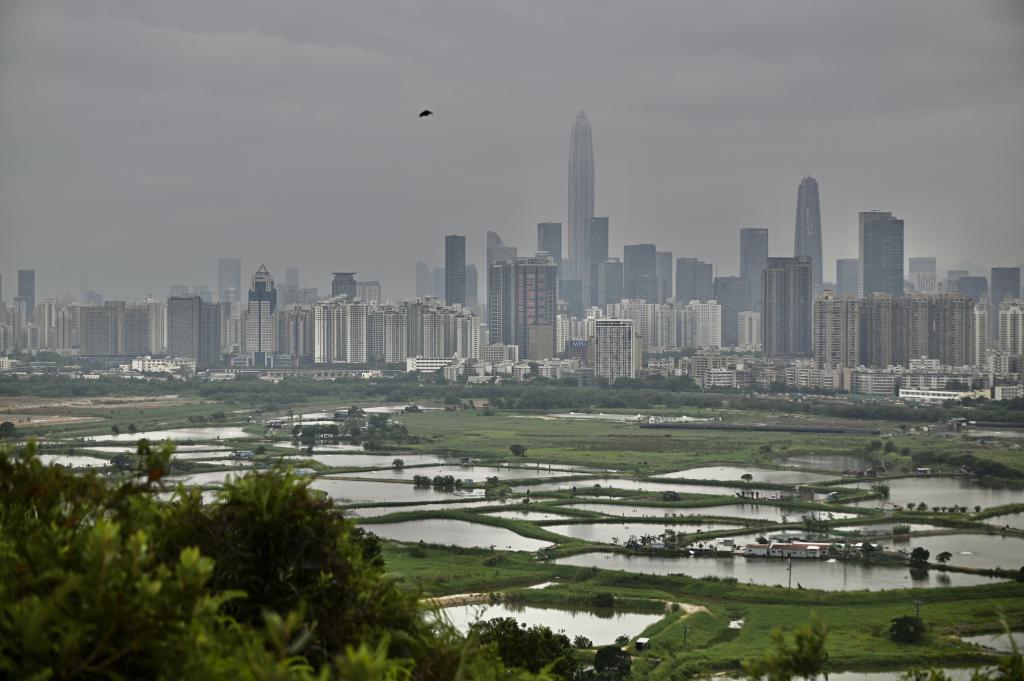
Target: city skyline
column 696, row 139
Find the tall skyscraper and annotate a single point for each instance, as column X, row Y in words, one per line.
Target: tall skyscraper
column 922, row 274
column 261, row 320
column 229, row 280
column 610, row 282
column 522, row 304
column 27, row 292
column 598, row 255
column 640, row 272
column 880, row 240
column 183, row 326
column 497, row 251
column 973, row 286
column 581, row 200
column 343, row 284
column 1011, row 327
column 1004, row 284
column 847, row 274
column 753, row 260
column 472, row 289
column 733, row 295
column 455, row 269
column 808, row 227
column 612, row 350
column 837, row 325
column 424, row 282
column 786, row 311
column 549, row 240
column 663, row 267
column 694, row 280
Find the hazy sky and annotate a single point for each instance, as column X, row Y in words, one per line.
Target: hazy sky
column 141, row 139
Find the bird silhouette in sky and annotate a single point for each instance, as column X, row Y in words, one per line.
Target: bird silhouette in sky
column 425, row 113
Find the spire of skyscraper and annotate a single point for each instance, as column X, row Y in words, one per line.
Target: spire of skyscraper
column 581, row 201
column 808, row 227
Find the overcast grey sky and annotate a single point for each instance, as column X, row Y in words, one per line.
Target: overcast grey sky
column 141, row 139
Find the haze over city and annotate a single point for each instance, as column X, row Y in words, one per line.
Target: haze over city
column 139, row 142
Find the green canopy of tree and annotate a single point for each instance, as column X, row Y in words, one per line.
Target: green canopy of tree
column 102, row 580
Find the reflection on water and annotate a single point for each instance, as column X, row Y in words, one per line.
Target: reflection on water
column 766, row 475
column 937, row 491
column 456, row 533
column 809, row 574
column 376, row 511
column 750, row 512
column 224, row 433
column 601, row 628
column 368, row 491
column 619, row 533
column 1014, row 520
column 1002, row 642
column 836, row 463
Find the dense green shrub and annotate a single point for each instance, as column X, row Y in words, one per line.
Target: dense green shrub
column 103, row 581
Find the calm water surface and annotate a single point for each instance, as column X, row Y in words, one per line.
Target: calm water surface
column 353, row 491
column 456, row 533
column 606, row 532
column 811, row 574
column 941, row 491
column 599, row 628
column 767, row 475
column 224, row 433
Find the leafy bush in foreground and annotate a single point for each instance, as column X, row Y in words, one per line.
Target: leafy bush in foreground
column 103, row 581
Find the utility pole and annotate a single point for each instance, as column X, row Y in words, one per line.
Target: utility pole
column 917, row 609
column 789, row 568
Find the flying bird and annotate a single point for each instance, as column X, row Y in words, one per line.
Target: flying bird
column 425, row 113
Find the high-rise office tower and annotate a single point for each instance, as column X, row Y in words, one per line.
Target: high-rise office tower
column 640, row 272
column 598, row 254
column 229, row 280
column 610, row 282
column 261, row 320
column 1011, row 327
column 472, row 289
column 753, row 260
column 880, row 242
column 808, row 227
column 549, row 240
column 424, row 282
column 522, row 304
column 663, row 267
column 291, row 277
column 455, row 269
column 786, row 306
column 847, row 274
column 837, row 331
column 694, row 280
column 27, row 293
column 581, row 200
column 922, row 274
column 979, row 335
column 1004, row 284
column 973, row 286
column 733, row 295
column 497, row 251
column 612, row 350
column 343, row 284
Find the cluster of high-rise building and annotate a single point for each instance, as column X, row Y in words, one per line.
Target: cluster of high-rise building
column 570, row 302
